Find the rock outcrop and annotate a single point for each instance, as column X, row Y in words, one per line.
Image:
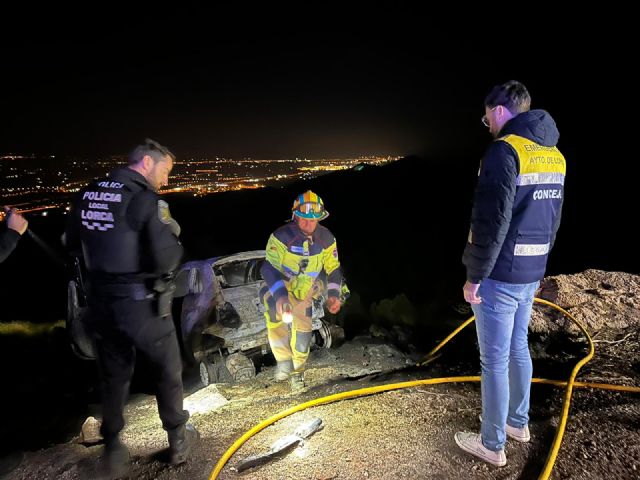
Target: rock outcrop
column 595, row 298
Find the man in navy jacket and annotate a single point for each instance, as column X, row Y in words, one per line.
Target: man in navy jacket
column 515, row 217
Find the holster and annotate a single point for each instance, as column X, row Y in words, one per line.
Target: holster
column 164, row 288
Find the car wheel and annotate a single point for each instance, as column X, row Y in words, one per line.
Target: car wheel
column 328, row 335
column 240, row 367
column 214, row 372
column 208, row 373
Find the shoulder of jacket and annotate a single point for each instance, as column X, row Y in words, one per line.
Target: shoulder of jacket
column 144, row 202
column 500, row 154
column 324, row 236
column 501, row 145
column 131, row 179
column 286, row 233
column 146, row 194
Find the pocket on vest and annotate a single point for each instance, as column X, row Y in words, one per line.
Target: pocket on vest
column 530, row 251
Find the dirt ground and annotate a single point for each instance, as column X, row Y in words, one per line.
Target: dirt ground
column 401, row 434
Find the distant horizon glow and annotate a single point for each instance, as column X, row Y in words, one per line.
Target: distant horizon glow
column 38, row 184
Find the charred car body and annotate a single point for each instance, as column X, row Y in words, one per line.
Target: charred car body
column 218, row 313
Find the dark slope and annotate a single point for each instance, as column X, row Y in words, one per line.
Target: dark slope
column 400, row 228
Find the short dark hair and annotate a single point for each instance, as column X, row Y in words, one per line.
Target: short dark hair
column 512, row 95
column 151, row 148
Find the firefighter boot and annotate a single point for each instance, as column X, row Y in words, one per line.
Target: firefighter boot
column 297, row 382
column 283, row 370
column 181, row 442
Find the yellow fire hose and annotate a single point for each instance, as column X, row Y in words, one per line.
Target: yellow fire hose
column 553, row 453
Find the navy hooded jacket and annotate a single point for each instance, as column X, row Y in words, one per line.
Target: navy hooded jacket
column 518, row 202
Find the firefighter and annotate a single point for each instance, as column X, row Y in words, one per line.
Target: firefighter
column 301, row 263
column 130, row 246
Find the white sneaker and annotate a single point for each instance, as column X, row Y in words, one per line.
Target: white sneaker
column 518, row 434
column 472, row 443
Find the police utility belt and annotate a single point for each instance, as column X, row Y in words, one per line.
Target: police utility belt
column 162, row 293
column 134, row 291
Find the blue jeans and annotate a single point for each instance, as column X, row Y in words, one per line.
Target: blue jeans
column 502, row 322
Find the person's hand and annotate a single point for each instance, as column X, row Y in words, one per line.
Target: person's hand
column 470, row 291
column 280, row 303
column 284, row 310
column 15, row 221
column 333, row 304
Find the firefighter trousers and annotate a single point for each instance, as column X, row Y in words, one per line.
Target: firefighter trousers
column 289, row 342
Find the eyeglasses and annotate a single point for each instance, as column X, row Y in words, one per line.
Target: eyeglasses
column 485, row 120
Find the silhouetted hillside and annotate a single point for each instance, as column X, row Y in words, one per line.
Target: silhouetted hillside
column 397, row 231
column 401, row 228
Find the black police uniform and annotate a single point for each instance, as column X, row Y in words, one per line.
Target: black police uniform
column 129, row 241
column 8, row 241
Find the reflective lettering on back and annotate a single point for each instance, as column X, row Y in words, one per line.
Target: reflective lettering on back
column 99, row 221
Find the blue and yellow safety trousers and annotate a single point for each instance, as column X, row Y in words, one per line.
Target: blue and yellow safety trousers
column 289, row 343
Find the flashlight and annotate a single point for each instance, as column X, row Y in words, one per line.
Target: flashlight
column 287, row 316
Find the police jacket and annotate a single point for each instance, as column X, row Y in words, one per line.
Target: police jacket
column 124, row 229
column 294, row 261
column 518, row 202
column 8, row 241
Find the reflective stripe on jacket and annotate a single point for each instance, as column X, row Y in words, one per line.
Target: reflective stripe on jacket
column 295, row 261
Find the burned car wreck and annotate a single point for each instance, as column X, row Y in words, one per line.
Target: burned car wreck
column 218, row 313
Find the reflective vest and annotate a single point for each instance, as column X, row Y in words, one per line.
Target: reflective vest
column 536, row 208
column 295, row 261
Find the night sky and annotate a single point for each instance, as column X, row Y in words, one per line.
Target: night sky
column 207, row 85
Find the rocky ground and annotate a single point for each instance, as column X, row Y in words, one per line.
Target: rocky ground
column 408, row 433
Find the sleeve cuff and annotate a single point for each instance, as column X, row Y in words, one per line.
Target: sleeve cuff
column 12, row 235
column 473, row 279
column 281, row 292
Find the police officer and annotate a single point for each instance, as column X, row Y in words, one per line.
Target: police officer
column 130, row 245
